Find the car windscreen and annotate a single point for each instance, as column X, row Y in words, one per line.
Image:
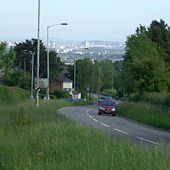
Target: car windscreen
column 108, row 103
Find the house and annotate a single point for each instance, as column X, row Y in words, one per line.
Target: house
column 76, row 95
column 61, row 83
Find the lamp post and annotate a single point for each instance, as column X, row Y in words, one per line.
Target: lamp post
column 32, row 70
column 38, row 55
column 48, row 67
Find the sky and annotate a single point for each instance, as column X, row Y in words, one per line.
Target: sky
column 109, row 20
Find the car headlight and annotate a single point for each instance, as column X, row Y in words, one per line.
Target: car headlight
column 113, row 109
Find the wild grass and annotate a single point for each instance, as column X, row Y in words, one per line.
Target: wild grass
column 157, row 116
column 50, row 141
column 11, row 95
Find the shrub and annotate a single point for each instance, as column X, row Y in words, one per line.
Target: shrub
column 155, row 98
column 61, row 94
column 146, row 113
column 134, row 97
column 167, row 101
column 12, row 95
column 18, row 78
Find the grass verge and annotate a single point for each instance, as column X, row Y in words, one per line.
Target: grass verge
column 40, row 138
column 146, row 113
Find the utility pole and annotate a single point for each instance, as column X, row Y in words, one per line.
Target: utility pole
column 38, row 56
column 99, row 84
column 74, row 75
column 32, row 75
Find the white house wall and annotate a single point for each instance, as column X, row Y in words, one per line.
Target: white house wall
column 67, row 85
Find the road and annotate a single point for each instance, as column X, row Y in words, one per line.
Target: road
column 116, row 126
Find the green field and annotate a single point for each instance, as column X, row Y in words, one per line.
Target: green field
column 40, row 138
column 34, row 138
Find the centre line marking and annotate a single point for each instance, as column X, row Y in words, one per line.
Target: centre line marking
column 95, row 120
column 121, row 131
column 104, row 124
column 146, row 140
column 90, row 117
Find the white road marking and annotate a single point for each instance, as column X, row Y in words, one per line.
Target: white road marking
column 146, row 140
column 90, row 117
column 104, row 124
column 95, row 120
column 121, row 131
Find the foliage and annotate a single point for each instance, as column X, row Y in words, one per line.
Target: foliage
column 167, row 101
column 19, row 78
column 87, row 75
column 159, row 32
column 24, row 57
column 146, row 113
column 154, row 98
column 144, row 65
column 84, row 75
column 61, row 94
column 7, row 57
column 12, row 95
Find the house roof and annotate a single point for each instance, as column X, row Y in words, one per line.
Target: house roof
column 63, row 78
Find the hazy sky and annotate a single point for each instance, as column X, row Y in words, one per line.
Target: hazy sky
column 88, row 20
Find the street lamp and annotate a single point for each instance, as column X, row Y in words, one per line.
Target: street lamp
column 32, row 72
column 48, row 68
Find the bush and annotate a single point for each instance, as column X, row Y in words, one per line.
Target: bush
column 109, row 92
column 155, row 98
column 158, row 99
column 10, row 95
column 18, row 78
column 134, row 97
column 167, row 101
column 61, row 94
column 146, row 113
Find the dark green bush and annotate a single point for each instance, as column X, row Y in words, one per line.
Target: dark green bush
column 155, row 98
column 18, row 78
column 61, row 94
column 167, row 101
column 12, row 95
column 134, row 97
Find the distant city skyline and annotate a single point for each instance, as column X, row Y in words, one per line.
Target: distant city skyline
column 108, row 20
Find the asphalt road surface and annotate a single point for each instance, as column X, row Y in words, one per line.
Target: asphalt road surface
column 116, row 126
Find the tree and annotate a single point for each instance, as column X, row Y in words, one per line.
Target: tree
column 143, row 65
column 107, row 72
column 7, row 56
column 159, row 32
column 23, row 58
column 84, row 75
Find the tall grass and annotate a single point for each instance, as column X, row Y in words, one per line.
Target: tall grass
column 146, row 113
column 154, row 98
column 11, row 95
column 51, row 141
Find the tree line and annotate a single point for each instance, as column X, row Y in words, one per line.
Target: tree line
column 145, row 66
column 146, row 63
column 17, row 63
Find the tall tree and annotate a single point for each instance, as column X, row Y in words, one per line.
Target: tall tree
column 23, row 58
column 144, row 65
column 159, row 32
column 7, row 56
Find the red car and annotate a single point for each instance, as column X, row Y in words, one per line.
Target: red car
column 107, row 107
